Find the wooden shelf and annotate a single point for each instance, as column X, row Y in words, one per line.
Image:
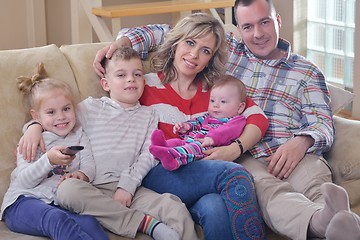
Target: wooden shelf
column 148, row 8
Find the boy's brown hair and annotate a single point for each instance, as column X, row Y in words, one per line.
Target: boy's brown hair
column 123, row 53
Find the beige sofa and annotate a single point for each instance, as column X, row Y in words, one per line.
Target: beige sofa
column 73, row 63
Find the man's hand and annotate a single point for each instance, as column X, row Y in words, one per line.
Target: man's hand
column 227, row 153
column 288, row 156
column 123, row 196
column 108, row 52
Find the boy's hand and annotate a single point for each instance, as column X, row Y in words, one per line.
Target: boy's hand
column 78, row 175
column 30, row 141
column 123, row 196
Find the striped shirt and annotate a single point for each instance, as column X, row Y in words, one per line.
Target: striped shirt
column 291, row 91
column 120, row 140
column 31, row 178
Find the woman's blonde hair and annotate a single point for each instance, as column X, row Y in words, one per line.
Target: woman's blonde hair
column 194, row 26
column 39, row 86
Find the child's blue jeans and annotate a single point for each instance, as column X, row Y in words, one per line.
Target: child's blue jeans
column 32, row 216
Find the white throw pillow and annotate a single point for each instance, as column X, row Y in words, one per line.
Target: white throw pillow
column 340, row 98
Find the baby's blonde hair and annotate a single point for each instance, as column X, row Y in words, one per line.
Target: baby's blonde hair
column 234, row 82
column 39, row 86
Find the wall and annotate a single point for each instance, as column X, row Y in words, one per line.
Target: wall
column 15, row 23
column 12, row 24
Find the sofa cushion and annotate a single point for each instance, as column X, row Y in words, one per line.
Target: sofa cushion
column 80, row 58
column 344, row 159
column 340, row 98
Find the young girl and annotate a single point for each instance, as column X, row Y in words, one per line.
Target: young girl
column 29, row 205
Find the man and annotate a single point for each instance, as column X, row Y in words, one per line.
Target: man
column 293, row 181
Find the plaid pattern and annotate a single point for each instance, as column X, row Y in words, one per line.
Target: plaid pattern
column 292, row 93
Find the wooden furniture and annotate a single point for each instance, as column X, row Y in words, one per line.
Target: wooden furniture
column 97, row 13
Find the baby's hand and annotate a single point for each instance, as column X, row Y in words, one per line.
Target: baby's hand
column 123, row 196
column 56, row 157
column 78, row 175
column 206, row 141
column 181, row 128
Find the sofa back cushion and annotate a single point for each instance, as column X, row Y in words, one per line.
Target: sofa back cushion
column 80, row 58
column 15, row 63
column 344, row 159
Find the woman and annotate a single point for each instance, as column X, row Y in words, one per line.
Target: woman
column 188, row 62
column 220, row 195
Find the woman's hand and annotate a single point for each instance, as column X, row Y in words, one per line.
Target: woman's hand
column 108, row 52
column 206, row 141
column 30, row 141
column 249, row 137
column 227, row 153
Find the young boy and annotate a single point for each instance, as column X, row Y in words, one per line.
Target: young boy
column 220, row 126
column 119, row 130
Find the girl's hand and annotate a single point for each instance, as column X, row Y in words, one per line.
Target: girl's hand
column 30, row 142
column 56, row 157
column 123, row 196
column 78, row 175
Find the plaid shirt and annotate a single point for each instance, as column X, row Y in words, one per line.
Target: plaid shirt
column 291, row 91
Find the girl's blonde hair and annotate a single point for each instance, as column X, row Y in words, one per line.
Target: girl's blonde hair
column 194, row 26
column 39, row 86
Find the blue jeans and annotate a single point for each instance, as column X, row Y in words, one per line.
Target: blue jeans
column 219, row 195
column 32, row 216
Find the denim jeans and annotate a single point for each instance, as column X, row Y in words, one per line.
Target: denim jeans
column 32, row 216
column 220, row 196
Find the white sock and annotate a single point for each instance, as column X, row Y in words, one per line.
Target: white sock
column 164, row 232
column 336, row 200
column 344, row 225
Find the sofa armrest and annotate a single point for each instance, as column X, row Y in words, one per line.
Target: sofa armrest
column 344, row 158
